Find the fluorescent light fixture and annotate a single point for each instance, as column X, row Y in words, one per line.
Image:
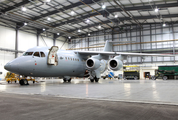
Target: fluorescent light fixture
column 116, row 16
column 44, row 29
column 49, row 18
column 72, row 12
column 99, row 26
column 79, row 30
column 69, row 37
column 58, row 33
column 156, row 9
column 25, row 23
column 103, row 6
column 24, row 9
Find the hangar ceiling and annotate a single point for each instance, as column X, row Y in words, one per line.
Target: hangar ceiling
column 74, row 18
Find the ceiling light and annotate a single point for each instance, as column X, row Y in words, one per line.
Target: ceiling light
column 88, row 34
column 69, row 37
column 156, row 9
column 72, row 12
column 48, row 0
column 103, row 6
column 99, row 26
column 44, row 29
column 164, row 24
column 24, row 9
column 25, row 23
column 49, row 18
column 116, row 16
column 87, row 20
column 79, row 30
column 58, row 33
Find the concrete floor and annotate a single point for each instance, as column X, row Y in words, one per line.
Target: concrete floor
column 142, row 91
column 37, row 107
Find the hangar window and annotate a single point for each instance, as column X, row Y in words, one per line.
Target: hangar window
column 42, row 54
column 36, row 54
column 27, row 53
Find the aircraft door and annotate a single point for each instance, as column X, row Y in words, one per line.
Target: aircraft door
column 52, row 56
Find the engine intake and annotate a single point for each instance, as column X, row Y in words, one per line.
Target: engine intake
column 93, row 63
column 115, row 64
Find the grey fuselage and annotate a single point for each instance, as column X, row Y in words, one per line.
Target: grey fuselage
column 69, row 64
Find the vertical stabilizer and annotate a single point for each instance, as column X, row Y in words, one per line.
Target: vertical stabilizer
column 108, row 46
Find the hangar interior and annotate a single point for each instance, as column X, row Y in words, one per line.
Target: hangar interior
column 134, row 26
column 138, row 26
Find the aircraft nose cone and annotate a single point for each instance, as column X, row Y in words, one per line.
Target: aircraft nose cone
column 7, row 66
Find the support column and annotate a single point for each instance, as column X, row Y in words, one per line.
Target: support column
column 16, row 42
column 38, row 36
column 151, row 41
column 39, row 31
column 18, row 26
column 173, row 35
column 55, row 36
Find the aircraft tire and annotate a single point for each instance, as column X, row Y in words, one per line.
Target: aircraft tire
column 96, row 79
column 91, row 80
column 8, row 81
column 64, row 80
column 33, row 82
column 69, row 80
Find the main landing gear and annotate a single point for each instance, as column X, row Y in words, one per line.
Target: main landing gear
column 67, row 80
column 23, row 82
column 94, row 79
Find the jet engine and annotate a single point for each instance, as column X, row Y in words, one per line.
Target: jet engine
column 93, row 63
column 115, row 64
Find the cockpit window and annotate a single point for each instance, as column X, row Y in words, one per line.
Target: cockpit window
column 27, row 53
column 42, row 54
column 36, row 54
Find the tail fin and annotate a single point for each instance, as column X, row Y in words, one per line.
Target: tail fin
column 108, row 46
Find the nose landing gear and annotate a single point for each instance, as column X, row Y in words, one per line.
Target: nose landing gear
column 23, row 82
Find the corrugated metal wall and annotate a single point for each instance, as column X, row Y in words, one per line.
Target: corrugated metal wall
column 152, row 37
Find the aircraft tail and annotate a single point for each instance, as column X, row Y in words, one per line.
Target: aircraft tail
column 108, row 46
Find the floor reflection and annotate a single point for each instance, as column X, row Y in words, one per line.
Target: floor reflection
column 127, row 87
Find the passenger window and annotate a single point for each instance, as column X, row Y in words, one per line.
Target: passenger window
column 27, row 53
column 42, row 54
column 36, row 54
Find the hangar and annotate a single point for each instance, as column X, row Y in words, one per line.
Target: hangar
column 134, row 27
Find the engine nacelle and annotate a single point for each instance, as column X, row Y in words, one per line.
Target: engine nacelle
column 93, row 63
column 115, row 64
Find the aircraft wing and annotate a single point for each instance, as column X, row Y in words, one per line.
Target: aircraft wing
column 121, row 53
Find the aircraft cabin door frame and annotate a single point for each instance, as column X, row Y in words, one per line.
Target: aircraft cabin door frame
column 52, row 56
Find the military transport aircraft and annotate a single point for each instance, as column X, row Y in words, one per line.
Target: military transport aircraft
column 52, row 62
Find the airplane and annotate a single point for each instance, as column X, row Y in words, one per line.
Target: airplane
column 52, row 62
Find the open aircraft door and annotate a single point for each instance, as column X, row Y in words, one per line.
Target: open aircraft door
column 52, row 56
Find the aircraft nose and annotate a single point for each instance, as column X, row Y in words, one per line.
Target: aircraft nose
column 7, row 66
